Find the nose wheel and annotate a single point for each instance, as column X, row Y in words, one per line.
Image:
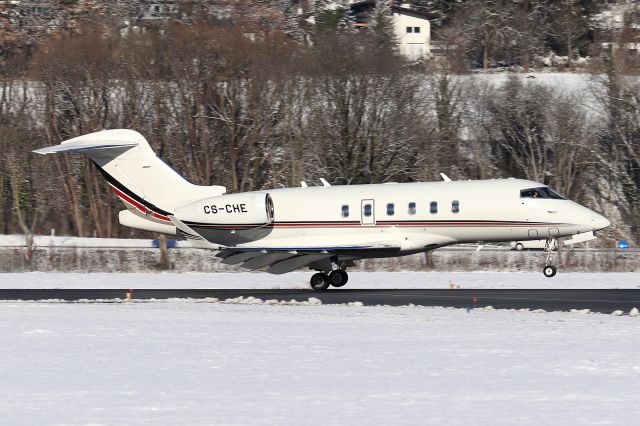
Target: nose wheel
column 322, row 281
column 549, row 270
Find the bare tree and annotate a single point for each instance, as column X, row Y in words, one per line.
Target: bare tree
column 569, row 25
column 488, row 25
column 619, row 136
column 364, row 114
column 531, row 24
column 517, row 126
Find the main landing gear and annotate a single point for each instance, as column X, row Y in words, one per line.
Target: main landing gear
column 336, row 278
column 549, row 270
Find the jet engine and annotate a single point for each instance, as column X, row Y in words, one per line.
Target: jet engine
column 232, row 209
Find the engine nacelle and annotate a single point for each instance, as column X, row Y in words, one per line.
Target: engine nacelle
column 231, row 209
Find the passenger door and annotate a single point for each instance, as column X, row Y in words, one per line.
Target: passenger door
column 367, row 213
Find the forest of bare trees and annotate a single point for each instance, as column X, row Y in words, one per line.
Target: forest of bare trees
column 229, row 108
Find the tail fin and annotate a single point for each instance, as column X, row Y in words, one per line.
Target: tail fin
column 148, row 187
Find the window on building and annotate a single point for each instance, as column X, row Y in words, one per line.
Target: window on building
column 455, row 206
column 412, row 208
column 367, row 210
column 409, row 29
column 345, row 211
column 390, row 209
column 416, row 30
column 433, row 207
column 156, row 8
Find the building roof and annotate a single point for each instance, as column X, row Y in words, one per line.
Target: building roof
column 395, row 8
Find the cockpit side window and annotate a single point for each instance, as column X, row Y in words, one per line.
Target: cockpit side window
column 553, row 194
column 530, row 193
column 542, row 192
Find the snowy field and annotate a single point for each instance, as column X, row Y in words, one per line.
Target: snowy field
column 297, row 280
column 190, row 362
column 203, row 362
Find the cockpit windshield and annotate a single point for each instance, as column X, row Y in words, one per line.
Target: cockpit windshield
column 542, row 192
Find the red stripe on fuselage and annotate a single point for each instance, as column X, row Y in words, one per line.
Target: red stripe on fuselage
column 137, row 205
column 414, row 224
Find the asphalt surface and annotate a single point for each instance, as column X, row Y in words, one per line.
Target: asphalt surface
column 605, row 301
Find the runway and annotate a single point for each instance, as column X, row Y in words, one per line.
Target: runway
column 599, row 300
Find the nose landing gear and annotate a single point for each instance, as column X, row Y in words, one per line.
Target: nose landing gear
column 336, row 278
column 549, row 270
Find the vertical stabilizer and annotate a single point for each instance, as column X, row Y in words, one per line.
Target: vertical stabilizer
column 148, row 187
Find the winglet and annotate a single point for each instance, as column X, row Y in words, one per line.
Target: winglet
column 445, row 177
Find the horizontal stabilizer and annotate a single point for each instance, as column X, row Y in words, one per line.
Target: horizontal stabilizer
column 80, row 145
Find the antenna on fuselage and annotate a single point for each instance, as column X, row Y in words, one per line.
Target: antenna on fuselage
column 303, row 184
column 324, row 182
column 445, row 177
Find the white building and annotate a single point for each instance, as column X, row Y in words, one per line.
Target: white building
column 412, row 28
column 413, row 32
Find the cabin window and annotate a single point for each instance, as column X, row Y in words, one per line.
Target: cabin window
column 542, row 192
column 345, row 211
column 416, row 30
column 412, row 208
column 433, row 207
column 390, row 209
column 409, row 30
column 367, row 209
column 455, row 206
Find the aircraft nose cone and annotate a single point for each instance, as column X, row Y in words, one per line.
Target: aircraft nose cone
column 600, row 222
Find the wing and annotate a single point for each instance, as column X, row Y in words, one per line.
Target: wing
column 286, row 259
column 286, row 255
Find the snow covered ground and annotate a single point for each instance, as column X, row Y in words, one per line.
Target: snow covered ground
column 190, row 362
column 295, row 280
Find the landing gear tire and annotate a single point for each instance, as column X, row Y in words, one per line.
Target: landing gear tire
column 549, row 271
column 338, row 278
column 519, row 247
column 319, row 281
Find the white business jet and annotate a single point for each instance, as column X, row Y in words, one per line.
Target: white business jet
column 327, row 228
